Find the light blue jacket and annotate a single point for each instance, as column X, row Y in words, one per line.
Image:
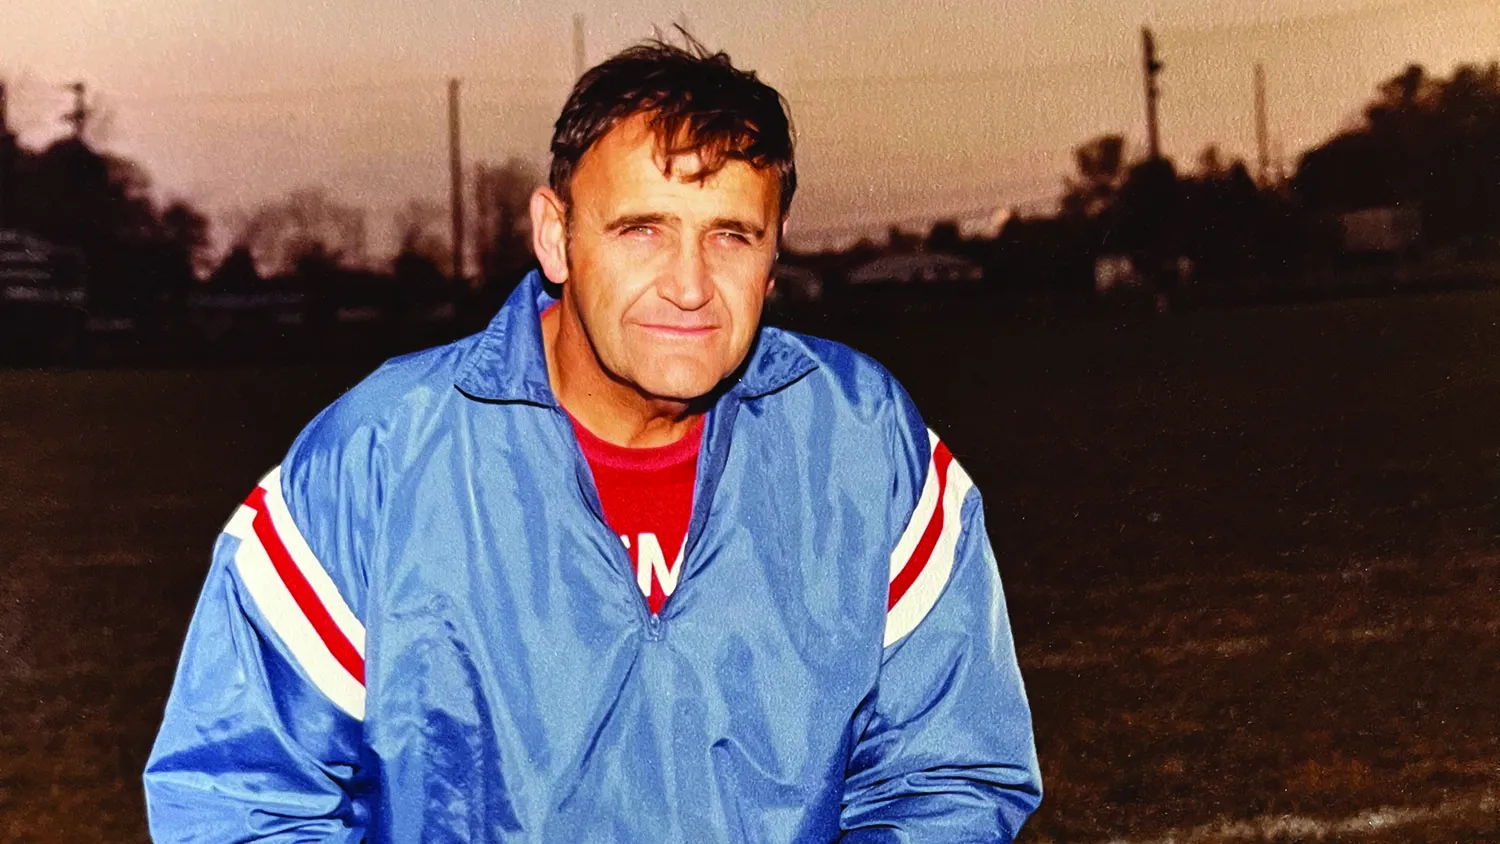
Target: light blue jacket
column 419, row 629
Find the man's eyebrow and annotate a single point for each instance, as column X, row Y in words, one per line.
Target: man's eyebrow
column 627, row 221
column 736, row 225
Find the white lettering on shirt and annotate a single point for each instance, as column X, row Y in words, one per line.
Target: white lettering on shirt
column 651, row 560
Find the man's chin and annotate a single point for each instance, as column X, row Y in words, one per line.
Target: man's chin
column 682, row 395
column 687, row 388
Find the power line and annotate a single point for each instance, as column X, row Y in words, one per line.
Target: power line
column 984, row 74
column 1232, row 30
column 811, row 88
column 987, row 73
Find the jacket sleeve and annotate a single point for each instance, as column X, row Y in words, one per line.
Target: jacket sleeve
column 946, row 752
column 262, row 735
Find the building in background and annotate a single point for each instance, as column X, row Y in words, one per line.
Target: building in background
column 916, row 268
column 43, row 296
column 1389, row 230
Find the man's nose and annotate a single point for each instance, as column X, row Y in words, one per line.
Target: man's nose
column 688, row 284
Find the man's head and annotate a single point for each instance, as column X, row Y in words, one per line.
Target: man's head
column 671, row 177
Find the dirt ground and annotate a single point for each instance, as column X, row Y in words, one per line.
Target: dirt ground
column 1250, row 557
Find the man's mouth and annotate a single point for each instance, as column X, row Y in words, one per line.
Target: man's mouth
column 685, row 331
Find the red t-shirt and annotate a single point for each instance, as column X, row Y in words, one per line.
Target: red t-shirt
column 647, row 494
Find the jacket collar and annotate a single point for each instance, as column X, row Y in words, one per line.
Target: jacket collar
column 507, row 362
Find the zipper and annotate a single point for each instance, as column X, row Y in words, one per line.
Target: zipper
column 623, row 567
column 713, row 453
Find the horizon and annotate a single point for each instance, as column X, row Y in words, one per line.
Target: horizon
column 919, row 115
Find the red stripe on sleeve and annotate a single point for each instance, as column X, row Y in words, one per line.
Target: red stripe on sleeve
column 941, row 458
column 302, row 592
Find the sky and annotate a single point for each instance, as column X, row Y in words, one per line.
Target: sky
column 906, row 112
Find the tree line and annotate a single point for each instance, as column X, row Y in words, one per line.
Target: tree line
column 1428, row 144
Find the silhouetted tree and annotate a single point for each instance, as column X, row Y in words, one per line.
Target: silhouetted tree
column 419, row 229
column 1426, row 142
column 1102, row 169
column 1036, row 254
column 502, row 224
column 101, row 205
column 945, row 237
column 1211, row 163
column 1223, row 215
column 237, row 273
column 186, row 230
column 306, row 231
column 898, row 239
column 10, row 154
column 420, row 267
column 1146, row 210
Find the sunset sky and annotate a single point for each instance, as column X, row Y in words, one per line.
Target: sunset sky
column 907, row 111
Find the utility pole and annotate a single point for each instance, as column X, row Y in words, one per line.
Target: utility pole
column 580, row 54
column 1152, row 68
column 1262, row 125
column 456, row 174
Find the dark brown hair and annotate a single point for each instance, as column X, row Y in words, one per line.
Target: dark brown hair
column 698, row 102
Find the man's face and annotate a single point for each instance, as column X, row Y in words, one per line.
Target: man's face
column 668, row 275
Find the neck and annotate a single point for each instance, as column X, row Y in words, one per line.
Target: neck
column 612, row 411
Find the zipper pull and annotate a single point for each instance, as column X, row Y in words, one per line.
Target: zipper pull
column 655, row 627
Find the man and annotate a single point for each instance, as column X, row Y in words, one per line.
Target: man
column 623, row 567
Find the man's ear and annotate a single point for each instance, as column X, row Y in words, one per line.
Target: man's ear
column 776, row 258
column 549, row 234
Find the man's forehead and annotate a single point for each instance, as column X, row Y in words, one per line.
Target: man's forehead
column 633, row 158
column 635, row 142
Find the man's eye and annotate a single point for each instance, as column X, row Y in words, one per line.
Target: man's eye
column 734, row 238
column 638, row 231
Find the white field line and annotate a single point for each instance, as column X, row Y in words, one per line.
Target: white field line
column 1268, row 828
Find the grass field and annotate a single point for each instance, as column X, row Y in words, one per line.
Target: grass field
column 1250, row 556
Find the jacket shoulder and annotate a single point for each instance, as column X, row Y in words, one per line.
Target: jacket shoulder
column 398, row 394
column 860, row 386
